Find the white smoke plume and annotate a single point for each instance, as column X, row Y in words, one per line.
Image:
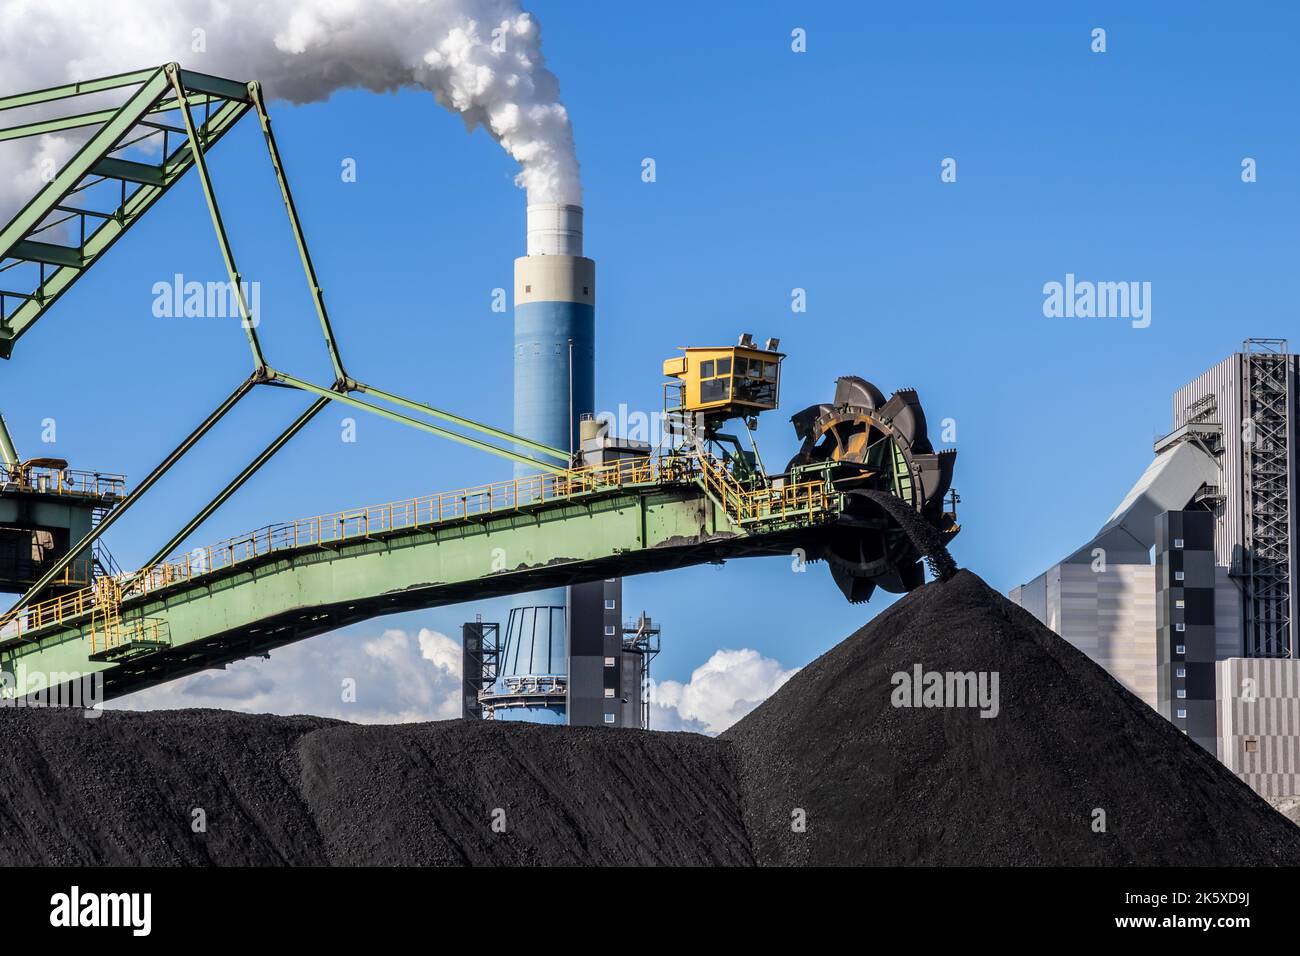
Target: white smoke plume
column 479, row 58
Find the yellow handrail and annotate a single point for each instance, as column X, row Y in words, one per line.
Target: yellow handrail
column 741, row 505
column 48, row 479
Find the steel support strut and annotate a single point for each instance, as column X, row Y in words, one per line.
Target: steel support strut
column 413, row 422
column 342, row 382
column 235, row 484
column 161, row 469
column 463, row 422
column 317, row 294
column 223, row 240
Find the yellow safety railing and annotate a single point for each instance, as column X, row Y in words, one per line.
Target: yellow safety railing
column 80, row 571
column 113, row 633
column 762, row 504
column 63, row 481
column 742, row 506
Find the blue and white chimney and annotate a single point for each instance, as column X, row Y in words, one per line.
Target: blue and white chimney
column 555, row 358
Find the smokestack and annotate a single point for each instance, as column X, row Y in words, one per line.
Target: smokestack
column 555, row 328
column 555, row 384
column 554, row 229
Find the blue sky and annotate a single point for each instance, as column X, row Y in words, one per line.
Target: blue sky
column 775, row 170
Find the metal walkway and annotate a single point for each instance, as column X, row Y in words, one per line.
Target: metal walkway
column 289, row 581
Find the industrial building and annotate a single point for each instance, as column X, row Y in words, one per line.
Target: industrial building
column 1188, row 593
column 45, row 507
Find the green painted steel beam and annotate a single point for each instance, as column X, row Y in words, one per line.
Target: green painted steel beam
column 346, row 399
column 70, row 90
column 95, row 148
column 215, row 86
column 56, row 125
column 98, row 117
column 287, row 595
column 103, row 238
column 464, row 422
column 236, row 483
column 192, row 439
column 48, row 253
column 133, row 172
column 300, row 238
column 197, row 146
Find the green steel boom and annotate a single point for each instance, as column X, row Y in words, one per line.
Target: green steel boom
column 292, row 581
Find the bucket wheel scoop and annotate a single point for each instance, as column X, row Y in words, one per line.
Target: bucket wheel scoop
column 880, row 456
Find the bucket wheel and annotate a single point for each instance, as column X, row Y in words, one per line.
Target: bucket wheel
column 880, row 455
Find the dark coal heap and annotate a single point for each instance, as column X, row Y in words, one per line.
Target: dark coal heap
column 876, row 784
column 123, row 789
column 893, row 785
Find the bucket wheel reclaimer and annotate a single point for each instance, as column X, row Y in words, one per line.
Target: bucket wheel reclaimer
column 894, row 483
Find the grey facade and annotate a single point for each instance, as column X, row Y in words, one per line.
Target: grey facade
column 605, row 675
column 609, row 661
column 1258, row 727
column 1251, row 399
column 1186, row 638
column 596, row 659
column 1108, row 613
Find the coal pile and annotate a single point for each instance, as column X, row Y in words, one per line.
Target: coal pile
column 562, row 796
column 881, row 784
column 870, row 782
column 124, row 788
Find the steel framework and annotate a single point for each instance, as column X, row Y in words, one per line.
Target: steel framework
column 480, row 659
column 289, row 581
column 1267, row 561
column 641, row 643
column 106, row 187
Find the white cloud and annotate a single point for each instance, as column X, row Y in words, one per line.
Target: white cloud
column 722, row 690
column 406, row 676
column 399, row 677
